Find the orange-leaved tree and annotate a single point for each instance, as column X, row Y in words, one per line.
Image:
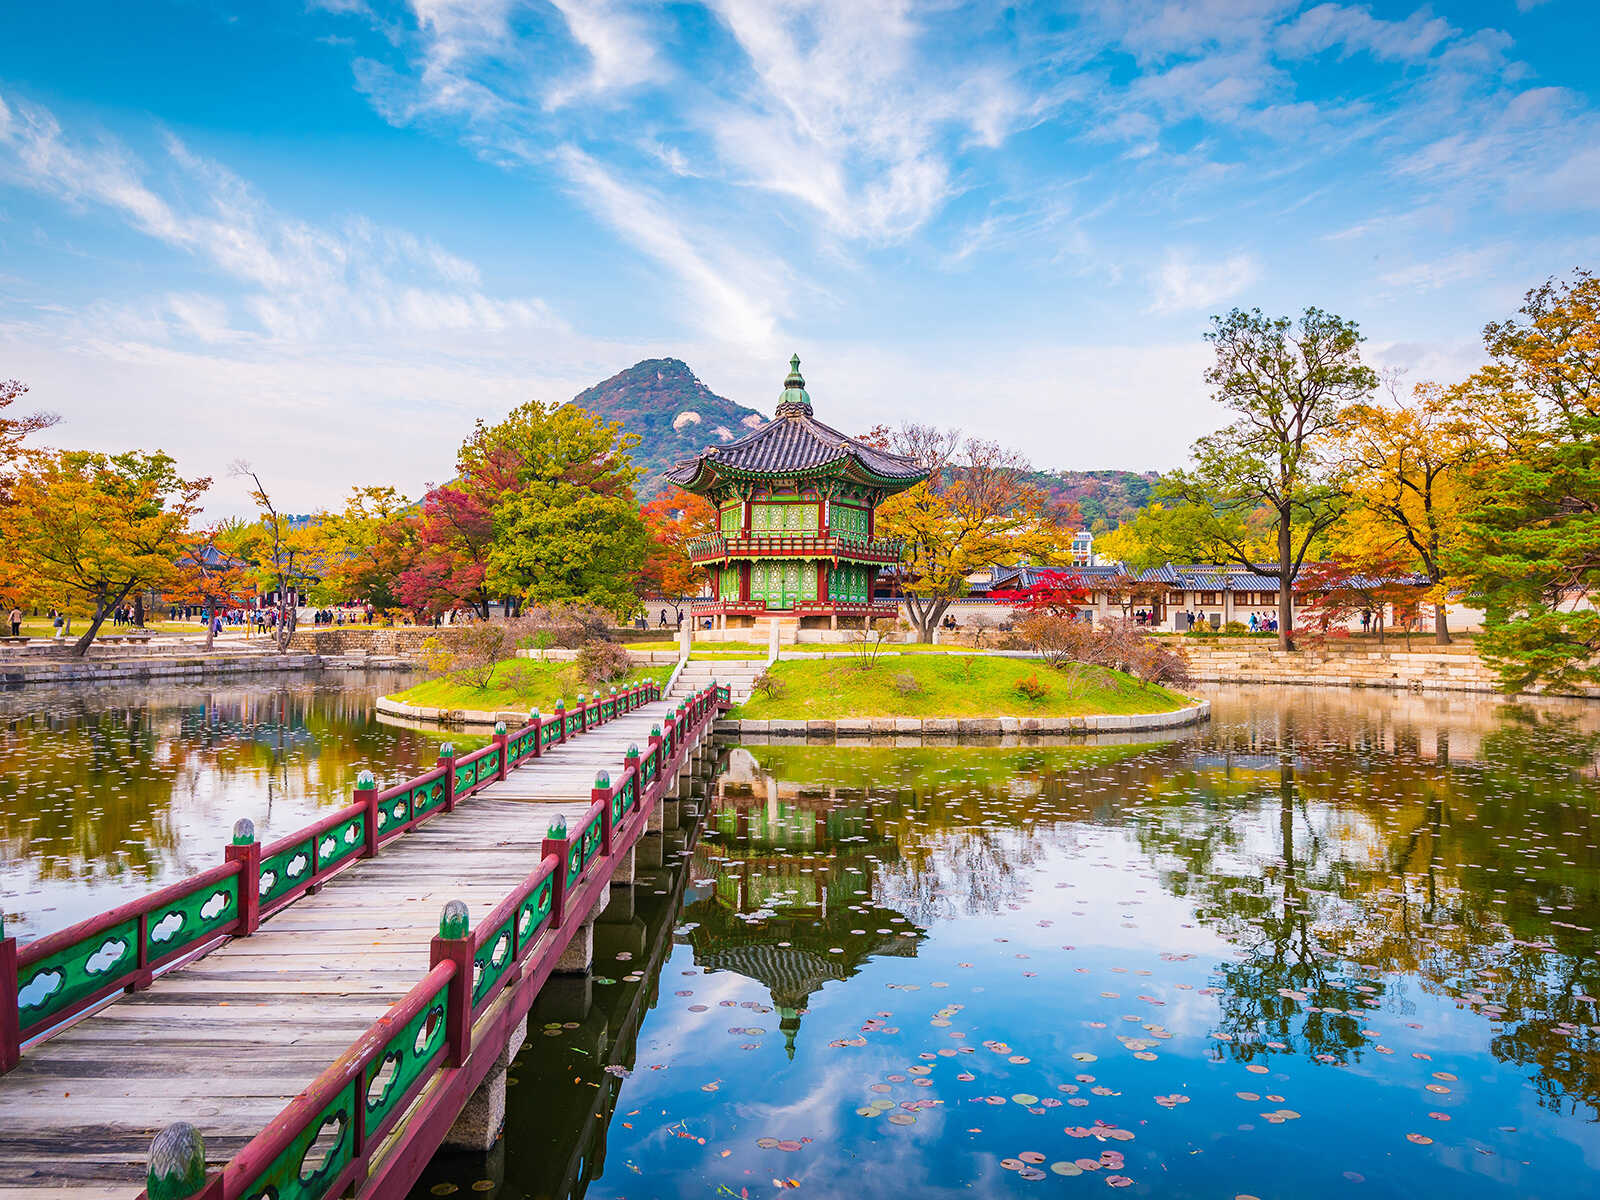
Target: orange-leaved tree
column 84, row 530
column 672, row 520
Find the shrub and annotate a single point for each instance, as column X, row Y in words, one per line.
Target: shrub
column 1066, row 644
column 906, row 683
column 1033, row 688
column 436, row 656
column 1236, row 629
column 603, row 662
column 480, row 648
column 768, row 684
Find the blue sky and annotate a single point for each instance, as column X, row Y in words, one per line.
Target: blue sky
column 326, row 237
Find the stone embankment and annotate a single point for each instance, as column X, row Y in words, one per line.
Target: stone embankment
column 950, row 727
column 183, row 662
column 1455, row 668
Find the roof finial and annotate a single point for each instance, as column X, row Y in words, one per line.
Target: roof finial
column 794, row 402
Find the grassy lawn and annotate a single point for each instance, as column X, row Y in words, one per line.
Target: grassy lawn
column 519, row 684
column 949, row 686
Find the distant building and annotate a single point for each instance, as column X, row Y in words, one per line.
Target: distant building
column 1083, row 548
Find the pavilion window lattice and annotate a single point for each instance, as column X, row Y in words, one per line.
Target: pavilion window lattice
column 845, row 519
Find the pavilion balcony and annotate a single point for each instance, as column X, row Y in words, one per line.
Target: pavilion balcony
column 803, row 608
column 718, row 548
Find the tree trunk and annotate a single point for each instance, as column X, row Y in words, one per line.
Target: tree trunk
column 1285, row 582
column 138, row 609
column 210, row 628
column 1441, row 625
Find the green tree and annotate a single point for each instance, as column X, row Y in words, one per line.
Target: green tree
column 1530, row 554
column 84, row 530
column 566, row 524
column 366, row 547
column 1285, row 382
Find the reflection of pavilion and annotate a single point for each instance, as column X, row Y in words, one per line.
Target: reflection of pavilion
column 804, row 868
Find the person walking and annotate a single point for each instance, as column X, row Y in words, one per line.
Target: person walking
column 57, row 621
column 16, row 621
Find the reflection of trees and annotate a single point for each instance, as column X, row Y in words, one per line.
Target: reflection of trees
column 130, row 782
column 1450, row 873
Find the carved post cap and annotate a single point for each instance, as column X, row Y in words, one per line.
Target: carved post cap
column 633, row 750
column 244, row 832
column 177, row 1163
column 602, row 779
column 447, row 750
column 561, row 703
column 454, row 921
column 533, row 716
column 558, row 827
column 366, row 781
column 499, row 726
column 580, row 697
column 655, row 729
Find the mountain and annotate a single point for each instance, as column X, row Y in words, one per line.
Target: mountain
column 1109, row 496
column 673, row 413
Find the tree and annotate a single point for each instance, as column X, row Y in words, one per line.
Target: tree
column 14, row 429
column 1285, row 382
column 1339, row 588
column 1054, row 592
column 1408, row 468
column 367, row 547
column 278, row 550
column 454, row 533
column 209, row 574
column 672, row 520
column 974, row 510
column 1530, row 551
column 565, row 523
column 85, row 529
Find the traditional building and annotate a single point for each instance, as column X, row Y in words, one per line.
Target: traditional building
column 796, row 503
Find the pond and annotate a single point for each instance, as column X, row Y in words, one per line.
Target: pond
column 108, row 792
column 1333, row 944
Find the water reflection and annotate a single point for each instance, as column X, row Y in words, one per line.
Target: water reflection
column 1331, row 943
column 108, row 791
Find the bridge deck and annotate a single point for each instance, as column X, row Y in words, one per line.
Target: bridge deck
column 227, row 1040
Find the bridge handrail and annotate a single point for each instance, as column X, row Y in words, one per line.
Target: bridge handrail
column 438, row 1007
column 269, row 878
column 126, row 941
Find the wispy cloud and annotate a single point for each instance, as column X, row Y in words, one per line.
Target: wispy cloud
column 1182, row 284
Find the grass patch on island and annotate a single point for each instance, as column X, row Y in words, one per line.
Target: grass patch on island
column 949, row 685
column 519, row 684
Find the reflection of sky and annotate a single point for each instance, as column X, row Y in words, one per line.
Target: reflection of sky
column 1095, row 887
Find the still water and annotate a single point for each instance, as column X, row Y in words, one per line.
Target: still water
column 108, row 792
column 1331, row 945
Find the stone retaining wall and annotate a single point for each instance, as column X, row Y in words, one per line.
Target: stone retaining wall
column 404, row 642
column 950, row 727
column 1454, row 668
column 194, row 666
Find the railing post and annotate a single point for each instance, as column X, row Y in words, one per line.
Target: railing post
column 447, row 760
column 10, row 1015
column 630, row 762
column 366, row 793
column 454, row 944
column 601, row 793
column 557, row 843
column 583, row 714
column 246, row 851
column 500, row 740
column 538, row 732
column 177, row 1166
column 561, row 716
column 655, row 749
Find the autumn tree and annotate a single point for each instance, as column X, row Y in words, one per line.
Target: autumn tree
column 280, row 552
column 366, row 547
column 1285, row 382
column 1409, row 475
column 15, row 429
column 210, row 575
column 454, row 531
column 974, row 510
column 85, row 530
column 672, row 520
column 1371, row 581
column 1530, row 548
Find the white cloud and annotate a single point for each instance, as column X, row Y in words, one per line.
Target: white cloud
column 1182, row 284
column 620, row 48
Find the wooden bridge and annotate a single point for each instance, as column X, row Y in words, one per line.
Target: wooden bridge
column 328, row 1010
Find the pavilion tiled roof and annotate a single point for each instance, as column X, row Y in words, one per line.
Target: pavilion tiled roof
column 795, row 441
column 1189, row 577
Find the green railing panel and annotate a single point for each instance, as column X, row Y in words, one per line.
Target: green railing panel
column 647, row 768
column 466, row 776
column 57, row 983
column 551, row 732
column 285, row 870
column 404, row 1059
column 533, row 912
column 394, row 811
column 591, row 839
column 426, row 799
column 574, row 723
column 309, row 1165
column 191, row 918
column 574, row 862
column 340, row 842
column 493, row 959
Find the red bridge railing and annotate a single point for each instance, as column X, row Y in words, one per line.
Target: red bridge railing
column 450, row 1028
column 48, row 982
